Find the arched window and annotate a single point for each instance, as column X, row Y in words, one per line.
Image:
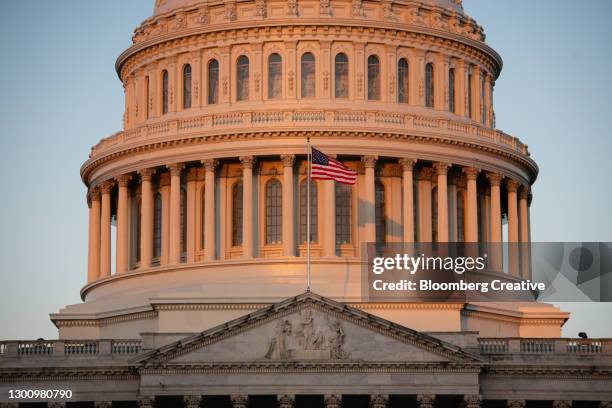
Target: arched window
column 183, row 223
column 429, row 85
column 135, row 222
column 403, row 81
column 213, row 82
column 483, row 106
column 373, row 78
column 341, row 76
column 242, row 78
column 303, row 212
column 157, row 226
column 469, row 90
column 274, row 213
column 275, row 76
column 308, row 75
column 379, row 209
column 237, row 214
column 451, row 90
column 344, row 211
column 187, row 86
column 202, row 216
column 165, row 91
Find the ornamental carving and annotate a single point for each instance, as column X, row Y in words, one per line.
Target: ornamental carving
column 379, row 401
column 288, row 160
column 230, row 10
column 562, row 404
column 239, row 401
column 286, row 401
column 247, row 162
column 388, row 10
column 357, row 8
column 146, row 402
column 471, row 172
column 291, row 77
column 369, row 161
column 261, row 9
column 192, row 401
column 225, row 85
column 292, row 8
column 324, row 7
column 307, row 339
column 103, row 404
column 512, row 185
column 333, row 401
column 471, row 401
column 180, row 22
column 407, row 164
column 202, row 17
column 426, row 400
column 210, row 164
column 494, row 179
column 515, row 404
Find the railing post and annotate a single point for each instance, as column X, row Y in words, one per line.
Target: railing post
column 514, row 345
column 12, row 348
column 560, row 346
column 104, row 347
column 59, row 348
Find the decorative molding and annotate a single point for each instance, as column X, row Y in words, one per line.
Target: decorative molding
column 369, row 161
column 512, row 185
column 106, row 187
column 123, row 180
column 471, row 173
column 146, row 174
column 494, row 178
column 441, row 168
column 247, row 161
column 210, row 164
column 288, row 160
column 175, row 169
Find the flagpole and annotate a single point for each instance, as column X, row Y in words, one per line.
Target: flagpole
column 308, row 181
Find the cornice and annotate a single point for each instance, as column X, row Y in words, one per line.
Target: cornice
column 127, row 150
column 550, row 371
column 68, row 374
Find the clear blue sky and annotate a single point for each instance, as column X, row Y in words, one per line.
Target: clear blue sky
column 59, row 94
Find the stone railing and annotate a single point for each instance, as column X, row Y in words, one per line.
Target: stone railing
column 69, row 348
column 381, row 121
column 544, row 346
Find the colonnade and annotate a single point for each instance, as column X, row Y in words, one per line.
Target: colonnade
column 469, row 222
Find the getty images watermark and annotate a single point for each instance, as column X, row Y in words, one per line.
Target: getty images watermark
column 461, row 272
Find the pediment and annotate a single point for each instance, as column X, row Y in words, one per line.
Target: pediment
column 308, row 328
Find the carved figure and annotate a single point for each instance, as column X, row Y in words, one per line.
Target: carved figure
column 278, row 345
column 307, row 336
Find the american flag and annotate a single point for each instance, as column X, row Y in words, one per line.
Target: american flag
column 325, row 168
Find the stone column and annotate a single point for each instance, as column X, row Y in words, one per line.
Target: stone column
column 164, row 186
column 426, row 400
column 56, row 404
column 333, row 401
column 487, row 101
column 239, row 401
column 460, row 95
column 329, row 217
column 472, row 401
column 442, row 172
column 93, row 270
column 122, row 225
column 286, row 401
column 471, row 222
column 475, row 94
column 425, row 204
column 175, row 213
column 247, row 206
column 369, row 162
column 105, row 229
column 192, row 401
column 513, row 254
column 408, row 198
column 209, row 209
column 146, row 218
column 103, row 404
column 452, row 207
column 562, row 404
column 146, row 402
column 190, row 244
column 495, row 252
column 515, row 404
column 524, row 232
column 288, row 223
column 379, row 401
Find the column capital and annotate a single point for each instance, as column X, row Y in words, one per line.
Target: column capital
column 103, row 404
column 472, row 401
column 524, row 192
column 210, row 164
column 239, row 401
column 379, row 401
column 123, row 180
column 471, row 172
column 512, row 185
column 562, row 404
column 192, row 174
column 426, row 400
column 107, row 186
column 176, row 168
column 515, row 404
column 333, row 401
column 146, row 402
column 494, row 178
column 369, row 161
column 441, row 168
column 288, row 160
column 247, row 161
column 164, row 179
column 605, row 404
column 425, row 173
column 286, row 401
column 94, row 194
column 56, row 404
column 407, row 163
column 192, row 401
column 146, row 174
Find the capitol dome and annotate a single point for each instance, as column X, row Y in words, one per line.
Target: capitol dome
column 198, row 205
